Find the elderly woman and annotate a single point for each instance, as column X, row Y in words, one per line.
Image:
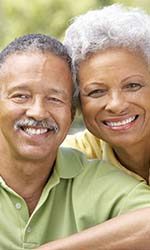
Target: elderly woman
column 110, row 50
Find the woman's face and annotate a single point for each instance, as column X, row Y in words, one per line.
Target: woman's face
column 115, row 96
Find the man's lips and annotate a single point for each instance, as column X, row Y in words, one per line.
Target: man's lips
column 35, row 128
column 117, row 122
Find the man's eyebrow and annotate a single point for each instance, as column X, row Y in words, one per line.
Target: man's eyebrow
column 50, row 90
column 17, row 87
column 57, row 91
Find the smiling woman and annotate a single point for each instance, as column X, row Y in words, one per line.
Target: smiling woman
column 115, row 97
column 111, row 58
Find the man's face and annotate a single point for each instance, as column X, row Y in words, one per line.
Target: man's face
column 35, row 104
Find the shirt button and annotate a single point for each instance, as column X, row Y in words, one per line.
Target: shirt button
column 29, row 229
column 18, row 205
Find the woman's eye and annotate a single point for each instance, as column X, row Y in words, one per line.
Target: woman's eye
column 133, row 86
column 97, row 93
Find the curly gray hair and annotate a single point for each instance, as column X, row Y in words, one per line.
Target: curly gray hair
column 113, row 26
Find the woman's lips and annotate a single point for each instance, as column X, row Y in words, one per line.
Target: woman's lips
column 117, row 123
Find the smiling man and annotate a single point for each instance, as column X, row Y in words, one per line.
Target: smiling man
column 35, row 115
column 46, row 193
column 35, row 105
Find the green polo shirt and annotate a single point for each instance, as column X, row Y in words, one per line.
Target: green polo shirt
column 79, row 194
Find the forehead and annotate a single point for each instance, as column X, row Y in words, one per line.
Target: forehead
column 33, row 64
column 118, row 62
column 112, row 57
column 37, row 58
column 29, row 68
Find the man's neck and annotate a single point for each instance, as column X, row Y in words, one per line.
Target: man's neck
column 27, row 178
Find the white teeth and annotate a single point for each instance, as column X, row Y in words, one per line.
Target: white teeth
column 30, row 122
column 120, row 123
column 33, row 131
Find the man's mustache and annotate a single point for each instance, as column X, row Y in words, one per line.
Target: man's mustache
column 46, row 123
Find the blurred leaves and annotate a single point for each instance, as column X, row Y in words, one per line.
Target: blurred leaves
column 20, row 17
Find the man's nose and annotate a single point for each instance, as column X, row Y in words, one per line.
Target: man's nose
column 37, row 110
column 116, row 103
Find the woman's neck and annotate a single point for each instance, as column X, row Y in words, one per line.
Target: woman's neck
column 136, row 159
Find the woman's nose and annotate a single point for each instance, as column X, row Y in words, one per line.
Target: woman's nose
column 116, row 103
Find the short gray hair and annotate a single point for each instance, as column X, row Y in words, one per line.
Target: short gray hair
column 35, row 42
column 114, row 26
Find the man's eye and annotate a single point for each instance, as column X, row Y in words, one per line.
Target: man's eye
column 97, row 93
column 54, row 99
column 20, row 97
column 133, row 86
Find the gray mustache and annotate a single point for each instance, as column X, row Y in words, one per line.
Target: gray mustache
column 47, row 123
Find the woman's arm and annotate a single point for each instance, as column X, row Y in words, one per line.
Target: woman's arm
column 125, row 232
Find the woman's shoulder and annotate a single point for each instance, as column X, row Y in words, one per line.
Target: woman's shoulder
column 85, row 142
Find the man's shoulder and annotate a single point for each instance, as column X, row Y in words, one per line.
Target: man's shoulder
column 88, row 165
column 103, row 189
column 94, row 169
column 72, row 155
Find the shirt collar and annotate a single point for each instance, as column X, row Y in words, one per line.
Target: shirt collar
column 69, row 162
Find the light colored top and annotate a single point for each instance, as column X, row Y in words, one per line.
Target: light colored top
column 95, row 148
column 78, row 195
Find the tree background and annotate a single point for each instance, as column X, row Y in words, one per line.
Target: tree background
column 52, row 17
column 18, row 17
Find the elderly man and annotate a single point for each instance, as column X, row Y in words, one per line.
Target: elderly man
column 46, row 193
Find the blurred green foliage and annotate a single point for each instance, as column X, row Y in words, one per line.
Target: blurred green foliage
column 19, row 17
